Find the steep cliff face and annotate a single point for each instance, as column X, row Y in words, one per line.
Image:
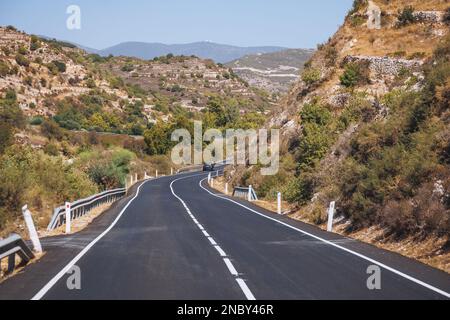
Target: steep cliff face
column 388, row 52
column 367, row 126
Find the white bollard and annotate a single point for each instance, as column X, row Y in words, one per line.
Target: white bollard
column 279, row 202
column 249, row 193
column 226, row 188
column 209, row 177
column 171, row 171
column 31, row 229
column 136, row 177
column 156, row 173
column 331, row 216
column 68, row 218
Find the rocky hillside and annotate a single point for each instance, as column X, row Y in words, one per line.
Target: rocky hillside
column 186, row 82
column 274, row 72
column 367, row 126
column 220, row 53
column 121, row 95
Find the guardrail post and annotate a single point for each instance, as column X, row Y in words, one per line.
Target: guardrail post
column 331, row 216
column 226, row 188
column 279, row 202
column 68, row 218
column 249, row 193
column 31, row 229
column 11, row 263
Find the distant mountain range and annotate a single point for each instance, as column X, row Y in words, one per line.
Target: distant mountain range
column 274, row 71
column 220, row 53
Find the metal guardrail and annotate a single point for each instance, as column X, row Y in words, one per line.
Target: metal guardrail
column 242, row 192
column 12, row 246
column 81, row 207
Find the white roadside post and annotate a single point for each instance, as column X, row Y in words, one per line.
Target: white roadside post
column 156, row 173
column 249, row 193
column 209, row 178
column 171, row 171
column 279, row 202
column 68, row 218
column 31, row 229
column 226, row 188
column 331, row 216
column 136, row 177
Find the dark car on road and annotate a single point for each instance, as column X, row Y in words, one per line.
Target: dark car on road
column 209, row 167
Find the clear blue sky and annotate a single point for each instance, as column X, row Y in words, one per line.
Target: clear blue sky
column 289, row 23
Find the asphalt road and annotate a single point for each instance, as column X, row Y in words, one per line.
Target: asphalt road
column 173, row 238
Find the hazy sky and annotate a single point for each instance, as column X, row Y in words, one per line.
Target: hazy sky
column 289, row 23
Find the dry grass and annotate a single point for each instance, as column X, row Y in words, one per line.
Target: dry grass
column 78, row 224
column 4, row 266
column 430, row 5
column 416, row 38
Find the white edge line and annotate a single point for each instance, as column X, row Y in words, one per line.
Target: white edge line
column 230, row 267
column 248, row 294
column 55, row 279
column 221, row 252
column 417, row 281
column 214, row 243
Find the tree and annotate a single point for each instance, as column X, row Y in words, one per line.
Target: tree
column 158, row 139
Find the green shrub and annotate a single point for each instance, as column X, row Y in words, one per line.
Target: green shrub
column 128, row 67
column 10, row 112
column 56, row 67
column 36, row 121
column 406, row 16
column 311, row 76
column 22, row 60
column 4, row 69
column 22, row 50
column 357, row 6
column 35, row 43
column 356, row 73
column 51, row 130
column 108, row 169
column 315, row 113
column 51, row 149
column 6, row 136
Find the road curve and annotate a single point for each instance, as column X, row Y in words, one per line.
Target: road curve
column 173, row 238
